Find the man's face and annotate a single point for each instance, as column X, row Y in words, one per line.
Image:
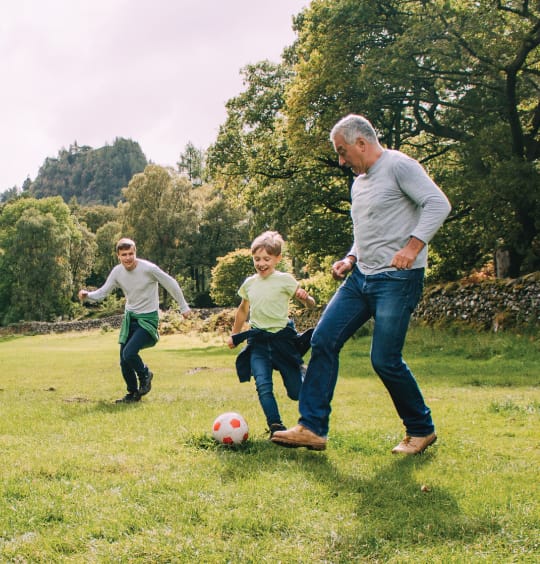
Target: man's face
column 128, row 258
column 352, row 156
column 265, row 264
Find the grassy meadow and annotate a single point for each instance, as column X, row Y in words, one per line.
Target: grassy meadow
column 87, row 481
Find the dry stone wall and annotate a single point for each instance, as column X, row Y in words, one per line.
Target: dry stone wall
column 490, row 304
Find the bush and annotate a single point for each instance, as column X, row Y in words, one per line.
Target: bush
column 227, row 276
column 321, row 285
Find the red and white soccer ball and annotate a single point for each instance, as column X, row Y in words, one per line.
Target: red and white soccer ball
column 230, row 429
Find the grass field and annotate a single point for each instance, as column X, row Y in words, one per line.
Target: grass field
column 85, row 480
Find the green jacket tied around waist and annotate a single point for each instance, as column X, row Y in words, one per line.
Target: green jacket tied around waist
column 148, row 321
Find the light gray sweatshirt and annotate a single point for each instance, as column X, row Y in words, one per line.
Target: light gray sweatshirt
column 393, row 201
column 140, row 287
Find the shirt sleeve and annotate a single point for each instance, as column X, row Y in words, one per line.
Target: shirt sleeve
column 172, row 286
column 414, row 181
column 105, row 290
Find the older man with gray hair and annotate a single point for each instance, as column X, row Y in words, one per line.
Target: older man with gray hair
column 396, row 210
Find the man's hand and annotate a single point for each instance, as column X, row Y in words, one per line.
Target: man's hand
column 405, row 257
column 341, row 267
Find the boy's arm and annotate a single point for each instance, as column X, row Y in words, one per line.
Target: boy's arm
column 304, row 297
column 240, row 318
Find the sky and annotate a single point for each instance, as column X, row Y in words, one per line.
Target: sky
column 158, row 72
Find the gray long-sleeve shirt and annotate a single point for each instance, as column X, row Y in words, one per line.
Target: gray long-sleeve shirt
column 140, row 287
column 393, row 201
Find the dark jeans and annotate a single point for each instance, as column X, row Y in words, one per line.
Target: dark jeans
column 389, row 298
column 268, row 353
column 131, row 363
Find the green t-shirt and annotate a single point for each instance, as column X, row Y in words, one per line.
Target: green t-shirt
column 269, row 299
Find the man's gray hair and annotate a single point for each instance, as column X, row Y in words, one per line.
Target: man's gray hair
column 352, row 127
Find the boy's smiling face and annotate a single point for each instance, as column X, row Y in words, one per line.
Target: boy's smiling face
column 265, row 263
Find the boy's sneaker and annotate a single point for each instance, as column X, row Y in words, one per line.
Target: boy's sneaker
column 276, row 427
column 130, row 397
column 146, row 383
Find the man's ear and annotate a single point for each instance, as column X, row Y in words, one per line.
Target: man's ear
column 360, row 142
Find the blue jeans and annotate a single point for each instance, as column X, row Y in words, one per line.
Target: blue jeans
column 267, row 355
column 131, row 363
column 389, row 298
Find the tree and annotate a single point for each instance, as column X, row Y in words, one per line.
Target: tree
column 220, row 228
column 95, row 216
column 227, row 276
column 82, row 252
column 455, row 84
column 10, row 194
column 192, row 164
column 106, row 258
column 37, row 239
column 159, row 216
column 253, row 166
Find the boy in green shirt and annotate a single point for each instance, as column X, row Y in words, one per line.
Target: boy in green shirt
column 265, row 301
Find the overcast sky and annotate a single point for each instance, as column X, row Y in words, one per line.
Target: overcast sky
column 158, row 72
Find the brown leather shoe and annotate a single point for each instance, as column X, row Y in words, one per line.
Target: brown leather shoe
column 414, row 445
column 299, row 436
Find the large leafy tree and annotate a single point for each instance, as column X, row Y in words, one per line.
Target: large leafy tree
column 158, row 215
column 44, row 254
column 253, row 164
column 453, row 83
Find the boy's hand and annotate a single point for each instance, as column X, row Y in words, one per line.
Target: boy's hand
column 230, row 343
column 304, row 297
column 301, row 294
column 82, row 295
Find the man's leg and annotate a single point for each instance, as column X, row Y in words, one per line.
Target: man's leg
column 345, row 313
column 130, row 361
column 394, row 296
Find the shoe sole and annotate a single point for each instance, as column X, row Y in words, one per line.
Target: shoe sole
column 428, row 445
column 291, row 444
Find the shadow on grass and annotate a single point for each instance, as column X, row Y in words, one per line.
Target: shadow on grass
column 392, row 506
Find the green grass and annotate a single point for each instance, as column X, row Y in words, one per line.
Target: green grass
column 85, row 480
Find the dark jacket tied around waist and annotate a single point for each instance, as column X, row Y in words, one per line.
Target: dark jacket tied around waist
column 285, row 342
